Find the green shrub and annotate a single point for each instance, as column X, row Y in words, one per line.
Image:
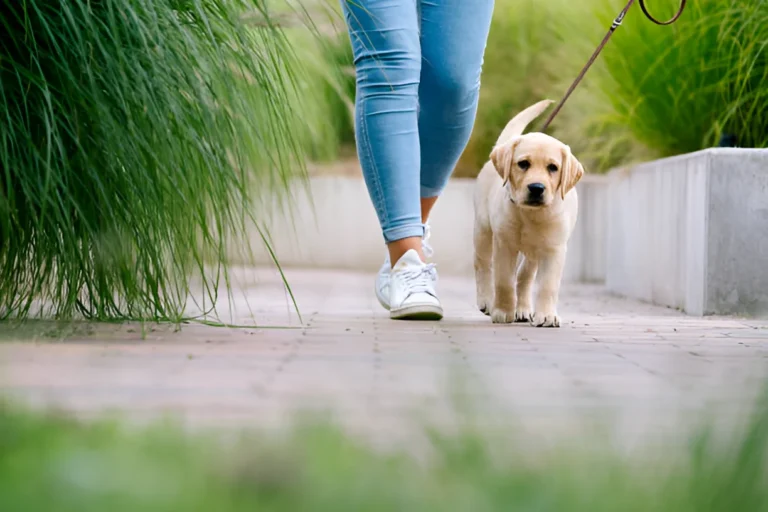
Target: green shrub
column 328, row 75
column 535, row 50
column 517, row 71
column 326, row 78
column 654, row 91
column 677, row 89
column 135, row 137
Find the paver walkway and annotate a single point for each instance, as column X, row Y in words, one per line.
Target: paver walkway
column 646, row 366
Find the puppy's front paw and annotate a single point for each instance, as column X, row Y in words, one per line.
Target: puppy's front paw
column 500, row 316
column 523, row 315
column 484, row 306
column 546, row 320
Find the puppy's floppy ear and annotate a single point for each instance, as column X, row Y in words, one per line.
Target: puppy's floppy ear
column 571, row 172
column 502, row 157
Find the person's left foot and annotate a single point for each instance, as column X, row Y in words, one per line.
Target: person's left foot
column 382, row 278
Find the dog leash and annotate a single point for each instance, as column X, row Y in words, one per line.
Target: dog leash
column 616, row 24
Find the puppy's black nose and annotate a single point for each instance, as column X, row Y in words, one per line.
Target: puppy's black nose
column 536, row 189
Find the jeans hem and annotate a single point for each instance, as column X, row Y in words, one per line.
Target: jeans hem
column 431, row 191
column 407, row 231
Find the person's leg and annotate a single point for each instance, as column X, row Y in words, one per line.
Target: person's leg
column 453, row 39
column 387, row 56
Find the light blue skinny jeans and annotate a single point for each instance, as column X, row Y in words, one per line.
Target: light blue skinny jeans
column 418, row 66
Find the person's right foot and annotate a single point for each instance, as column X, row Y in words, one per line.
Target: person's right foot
column 412, row 294
column 382, row 278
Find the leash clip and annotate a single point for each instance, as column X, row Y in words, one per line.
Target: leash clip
column 617, row 22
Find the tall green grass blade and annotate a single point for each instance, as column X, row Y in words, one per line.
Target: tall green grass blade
column 137, row 140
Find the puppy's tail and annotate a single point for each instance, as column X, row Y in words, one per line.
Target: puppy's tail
column 518, row 123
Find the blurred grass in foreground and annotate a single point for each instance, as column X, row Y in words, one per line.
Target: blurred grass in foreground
column 54, row 463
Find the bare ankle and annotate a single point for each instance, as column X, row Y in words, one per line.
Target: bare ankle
column 427, row 203
column 400, row 247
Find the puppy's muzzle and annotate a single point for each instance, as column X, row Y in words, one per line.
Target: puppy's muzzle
column 536, row 194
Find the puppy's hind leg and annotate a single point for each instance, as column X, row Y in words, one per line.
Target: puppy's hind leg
column 483, row 278
column 525, row 278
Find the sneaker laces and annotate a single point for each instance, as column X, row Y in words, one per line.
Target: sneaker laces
column 420, row 279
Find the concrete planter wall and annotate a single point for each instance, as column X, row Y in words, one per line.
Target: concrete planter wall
column 338, row 229
column 689, row 232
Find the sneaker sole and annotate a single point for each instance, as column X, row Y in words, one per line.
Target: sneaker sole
column 378, row 297
column 425, row 312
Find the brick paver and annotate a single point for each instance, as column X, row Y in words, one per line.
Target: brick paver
column 644, row 366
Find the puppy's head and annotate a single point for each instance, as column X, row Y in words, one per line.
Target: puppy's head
column 537, row 168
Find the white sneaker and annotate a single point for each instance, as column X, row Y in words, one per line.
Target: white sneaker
column 382, row 278
column 412, row 293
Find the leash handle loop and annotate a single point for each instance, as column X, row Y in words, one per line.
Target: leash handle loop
column 663, row 23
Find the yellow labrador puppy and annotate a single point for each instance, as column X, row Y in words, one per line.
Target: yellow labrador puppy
column 525, row 211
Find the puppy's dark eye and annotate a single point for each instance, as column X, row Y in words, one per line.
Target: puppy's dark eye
column 552, row 168
column 524, row 164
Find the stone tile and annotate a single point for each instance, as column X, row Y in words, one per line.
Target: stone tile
column 613, row 357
